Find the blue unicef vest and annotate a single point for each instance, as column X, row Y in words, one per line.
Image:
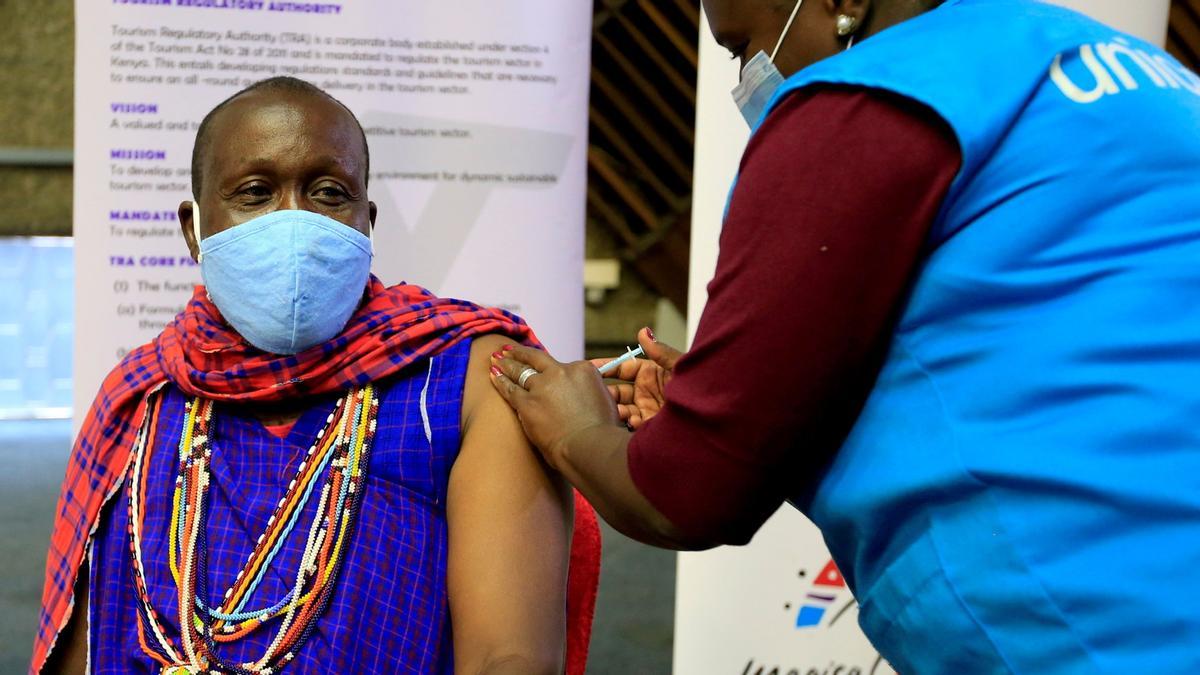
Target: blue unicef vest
column 1022, row 490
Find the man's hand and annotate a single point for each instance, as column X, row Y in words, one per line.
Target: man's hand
column 639, row 394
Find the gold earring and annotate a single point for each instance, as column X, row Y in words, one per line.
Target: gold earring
column 846, row 25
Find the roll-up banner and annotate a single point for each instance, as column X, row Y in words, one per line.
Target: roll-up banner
column 475, row 114
column 779, row 606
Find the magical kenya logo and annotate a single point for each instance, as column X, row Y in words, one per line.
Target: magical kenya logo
column 825, row 604
column 827, row 599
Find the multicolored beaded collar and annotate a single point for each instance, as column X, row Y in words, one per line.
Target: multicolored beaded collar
column 341, row 454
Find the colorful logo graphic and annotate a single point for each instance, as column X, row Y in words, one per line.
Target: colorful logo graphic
column 822, row 623
column 828, row 589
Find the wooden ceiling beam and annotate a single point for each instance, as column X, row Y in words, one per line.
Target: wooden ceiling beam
column 685, row 45
column 683, row 85
column 629, row 154
column 643, row 126
column 651, row 92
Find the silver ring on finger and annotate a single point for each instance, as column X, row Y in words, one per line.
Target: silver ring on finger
column 525, row 375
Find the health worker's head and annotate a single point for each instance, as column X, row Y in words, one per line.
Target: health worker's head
column 819, row 29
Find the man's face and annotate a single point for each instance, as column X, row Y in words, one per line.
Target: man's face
column 275, row 150
column 745, row 27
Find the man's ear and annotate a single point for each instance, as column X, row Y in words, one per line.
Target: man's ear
column 185, row 223
column 374, row 211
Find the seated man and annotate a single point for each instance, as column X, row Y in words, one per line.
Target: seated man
column 307, row 471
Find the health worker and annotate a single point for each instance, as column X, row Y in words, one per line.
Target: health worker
column 954, row 321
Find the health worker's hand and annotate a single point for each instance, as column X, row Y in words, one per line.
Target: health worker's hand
column 639, row 395
column 558, row 402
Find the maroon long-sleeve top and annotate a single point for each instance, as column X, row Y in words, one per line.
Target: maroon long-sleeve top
column 827, row 225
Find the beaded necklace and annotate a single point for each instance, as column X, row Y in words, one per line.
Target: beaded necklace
column 340, row 453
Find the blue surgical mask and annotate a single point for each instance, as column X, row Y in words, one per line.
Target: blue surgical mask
column 761, row 79
column 285, row 281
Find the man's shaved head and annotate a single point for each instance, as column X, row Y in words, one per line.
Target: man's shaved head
column 286, row 84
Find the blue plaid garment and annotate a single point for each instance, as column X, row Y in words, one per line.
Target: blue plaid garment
column 388, row 613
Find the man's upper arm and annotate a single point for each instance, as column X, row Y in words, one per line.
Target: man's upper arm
column 510, row 532
column 827, row 224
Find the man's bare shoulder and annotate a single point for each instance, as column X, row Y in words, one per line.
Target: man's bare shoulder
column 477, row 390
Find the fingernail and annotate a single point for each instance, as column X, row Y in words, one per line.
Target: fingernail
column 497, row 355
column 508, row 348
column 495, row 371
column 650, row 334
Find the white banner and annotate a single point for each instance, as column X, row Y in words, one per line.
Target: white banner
column 476, row 116
column 1146, row 19
column 777, row 606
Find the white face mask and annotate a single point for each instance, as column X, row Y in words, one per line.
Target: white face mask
column 760, row 78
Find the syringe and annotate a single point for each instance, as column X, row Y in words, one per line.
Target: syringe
column 616, row 363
